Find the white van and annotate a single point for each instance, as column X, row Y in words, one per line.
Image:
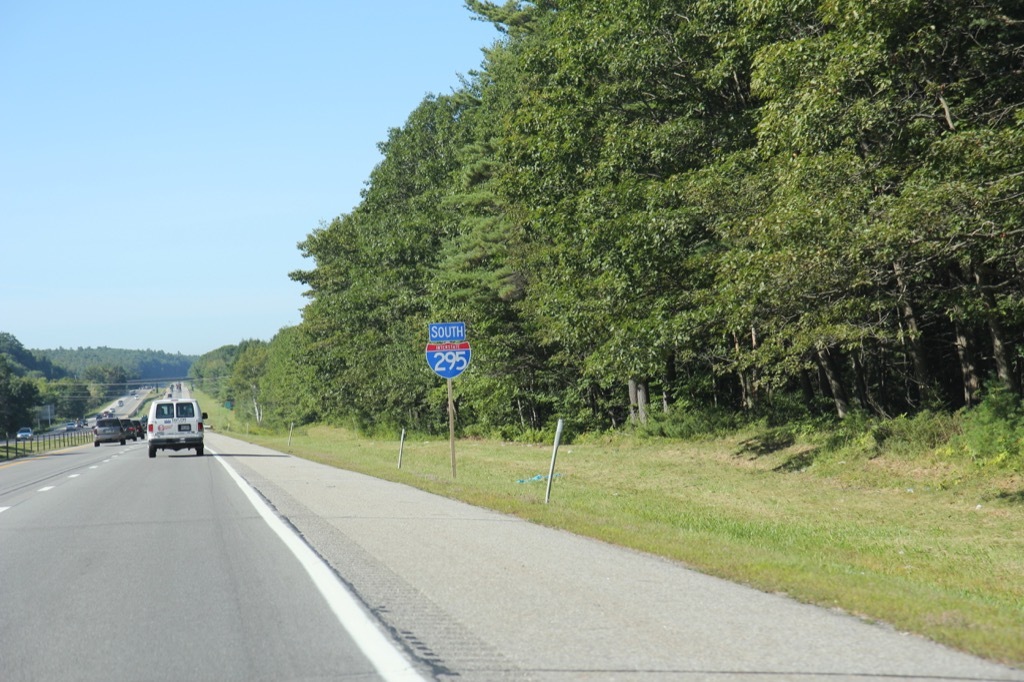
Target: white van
column 175, row 424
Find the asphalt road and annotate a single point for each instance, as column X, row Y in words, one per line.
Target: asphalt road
column 117, row 567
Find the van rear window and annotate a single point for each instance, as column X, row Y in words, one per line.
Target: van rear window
column 186, row 410
column 165, row 411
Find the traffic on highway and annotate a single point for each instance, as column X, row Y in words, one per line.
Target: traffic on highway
column 120, row 567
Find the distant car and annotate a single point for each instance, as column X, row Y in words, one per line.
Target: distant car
column 140, row 429
column 108, row 430
column 24, row 433
column 70, row 426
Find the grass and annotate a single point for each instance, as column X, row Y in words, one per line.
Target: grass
column 929, row 544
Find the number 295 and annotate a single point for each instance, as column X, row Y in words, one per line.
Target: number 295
column 453, row 360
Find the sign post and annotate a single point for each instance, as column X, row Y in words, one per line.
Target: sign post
column 451, row 425
column 448, row 354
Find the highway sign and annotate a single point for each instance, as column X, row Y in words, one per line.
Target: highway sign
column 448, row 360
column 441, row 332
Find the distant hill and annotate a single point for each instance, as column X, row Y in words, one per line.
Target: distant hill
column 24, row 362
column 138, row 364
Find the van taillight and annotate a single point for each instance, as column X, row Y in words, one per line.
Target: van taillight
column 149, row 427
column 200, row 426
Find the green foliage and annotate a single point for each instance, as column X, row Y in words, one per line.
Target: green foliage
column 211, row 371
column 145, row 365
column 18, row 399
column 245, row 384
column 24, row 362
column 70, row 398
column 993, row 432
column 689, row 423
column 911, row 436
column 286, row 380
column 785, row 210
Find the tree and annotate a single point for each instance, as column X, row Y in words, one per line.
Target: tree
column 287, row 379
column 19, row 397
column 368, row 312
column 211, row 372
column 247, row 378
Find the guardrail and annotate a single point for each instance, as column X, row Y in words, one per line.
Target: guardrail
column 44, row 442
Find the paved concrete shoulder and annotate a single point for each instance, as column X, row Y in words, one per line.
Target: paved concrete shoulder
column 481, row 596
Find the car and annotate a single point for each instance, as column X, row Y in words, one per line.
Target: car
column 108, row 430
column 70, row 426
column 24, row 433
column 175, row 424
column 140, row 429
column 129, row 429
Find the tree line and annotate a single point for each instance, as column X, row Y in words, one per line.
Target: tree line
column 641, row 207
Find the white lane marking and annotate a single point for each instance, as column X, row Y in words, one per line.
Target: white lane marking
column 389, row 662
column 95, row 466
column 74, row 475
column 43, row 490
column 3, row 509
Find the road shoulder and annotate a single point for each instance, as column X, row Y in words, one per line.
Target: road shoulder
column 480, row 595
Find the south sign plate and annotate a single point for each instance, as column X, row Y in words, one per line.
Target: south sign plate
column 448, row 360
column 446, row 332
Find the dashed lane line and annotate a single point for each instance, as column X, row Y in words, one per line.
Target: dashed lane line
column 51, row 487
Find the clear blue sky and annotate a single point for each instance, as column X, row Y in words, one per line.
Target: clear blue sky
column 159, row 162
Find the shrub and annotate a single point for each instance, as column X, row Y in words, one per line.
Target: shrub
column 993, row 431
column 688, row 423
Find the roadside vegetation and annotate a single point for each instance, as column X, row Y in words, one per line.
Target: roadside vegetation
column 779, row 210
column 763, row 258
column 900, row 521
column 766, row 261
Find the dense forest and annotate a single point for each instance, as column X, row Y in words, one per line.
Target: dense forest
column 644, row 209
column 141, row 365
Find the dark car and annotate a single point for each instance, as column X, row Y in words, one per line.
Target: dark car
column 129, row 429
column 140, row 430
column 108, row 430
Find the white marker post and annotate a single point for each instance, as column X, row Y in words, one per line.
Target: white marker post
column 554, row 454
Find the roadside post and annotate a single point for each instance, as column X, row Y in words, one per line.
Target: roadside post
column 448, row 354
column 401, row 447
column 554, row 455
